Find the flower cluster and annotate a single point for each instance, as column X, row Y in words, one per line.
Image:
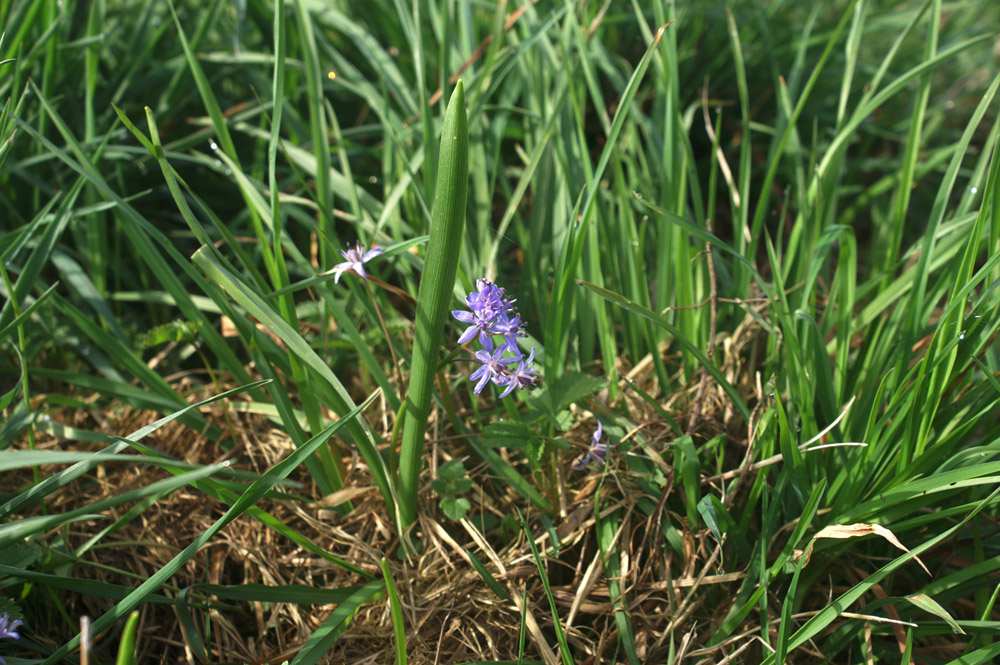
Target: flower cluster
column 491, row 313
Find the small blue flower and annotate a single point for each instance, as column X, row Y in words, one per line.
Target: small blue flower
column 598, row 451
column 480, row 324
column 356, row 258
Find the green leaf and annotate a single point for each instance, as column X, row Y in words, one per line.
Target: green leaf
column 707, row 511
column 28, row 311
column 251, row 301
column 822, row 619
column 396, row 611
column 10, row 608
column 434, row 295
column 928, row 604
column 487, row 576
column 16, row 423
column 81, row 586
column 8, row 398
column 67, row 476
column 689, row 470
column 300, row 594
column 645, row 313
column 564, row 650
column 452, row 479
column 455, row 507
column 19, row 555
column 451, row 470
column 509, row 434
column 174, row 331
column 572, row 387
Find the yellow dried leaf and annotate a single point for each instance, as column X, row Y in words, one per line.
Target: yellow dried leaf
column 860, row 530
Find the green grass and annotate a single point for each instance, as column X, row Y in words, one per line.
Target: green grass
column 736, row 232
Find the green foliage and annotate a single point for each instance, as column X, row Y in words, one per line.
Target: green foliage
column 173, row 331
column 510, row 434
column 10, row 608
column 452, row 482
column 744, row 233
column 551, row 401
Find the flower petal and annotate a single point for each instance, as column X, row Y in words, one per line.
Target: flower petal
column 482, row 383
column 469, row 333
column 509, row 389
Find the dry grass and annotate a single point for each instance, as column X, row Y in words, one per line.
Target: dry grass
column 450, row 614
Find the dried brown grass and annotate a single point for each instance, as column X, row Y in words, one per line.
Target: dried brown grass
column 450, row 614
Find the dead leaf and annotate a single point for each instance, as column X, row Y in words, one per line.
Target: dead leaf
column 341, row 496
column 859, row 530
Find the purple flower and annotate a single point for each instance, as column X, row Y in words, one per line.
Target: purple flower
column 522, row 377
column 598, row 451
column 480, row 324
column 510, row 327
column 7, row 630
column 356, row 258
column 7, row 627
column 489, row 308
column 489, row 298
column 492, row 367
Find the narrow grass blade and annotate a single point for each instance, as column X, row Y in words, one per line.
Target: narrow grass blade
column 396, row 611
column 320, row 642
column 67, row 476
column 828, row 614
column 260, row 310
column 607, row 534
column 564, row 651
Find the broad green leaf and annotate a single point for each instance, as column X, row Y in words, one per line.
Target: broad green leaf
column 434, row 295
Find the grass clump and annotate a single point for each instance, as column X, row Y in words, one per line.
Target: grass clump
column 754, row 251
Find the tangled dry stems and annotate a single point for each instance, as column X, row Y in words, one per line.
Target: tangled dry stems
column 450, row 614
